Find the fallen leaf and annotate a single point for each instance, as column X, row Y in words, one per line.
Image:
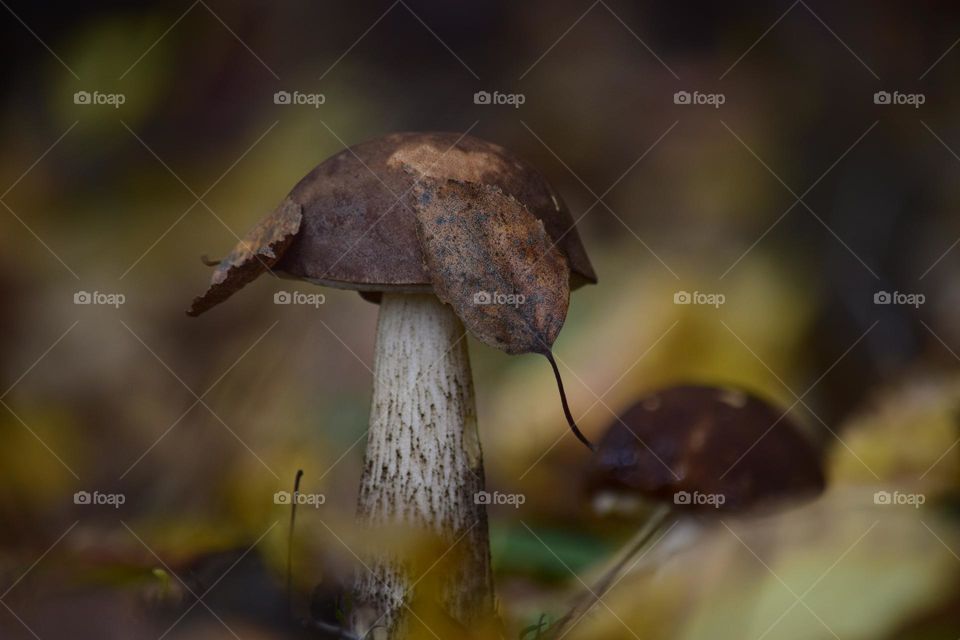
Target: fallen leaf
column 259, row 250
column 492, row 260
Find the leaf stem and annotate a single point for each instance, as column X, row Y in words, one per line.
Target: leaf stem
column 566, row 408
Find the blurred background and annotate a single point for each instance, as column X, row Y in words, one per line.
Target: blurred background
column 795, row 164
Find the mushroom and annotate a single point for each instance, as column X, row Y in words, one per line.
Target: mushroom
column 444, row 231
column 696, row 451
column 685, row 443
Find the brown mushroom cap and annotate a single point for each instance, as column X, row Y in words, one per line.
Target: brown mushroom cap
column 358, row 228
column 712, row 441
column 359, row 234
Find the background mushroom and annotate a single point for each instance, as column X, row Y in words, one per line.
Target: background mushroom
column 697, row 451
column 444, row 231
column 703, row 440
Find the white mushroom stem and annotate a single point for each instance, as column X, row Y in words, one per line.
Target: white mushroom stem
column 422, row 472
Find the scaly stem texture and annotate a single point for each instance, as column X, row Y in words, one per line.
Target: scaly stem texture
column 422, row 472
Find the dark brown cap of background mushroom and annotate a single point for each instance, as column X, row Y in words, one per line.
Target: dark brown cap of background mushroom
column 351, row 223
column 712, row 441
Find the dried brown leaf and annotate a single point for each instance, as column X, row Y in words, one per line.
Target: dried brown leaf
column 259, row 250
column 491, row 259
